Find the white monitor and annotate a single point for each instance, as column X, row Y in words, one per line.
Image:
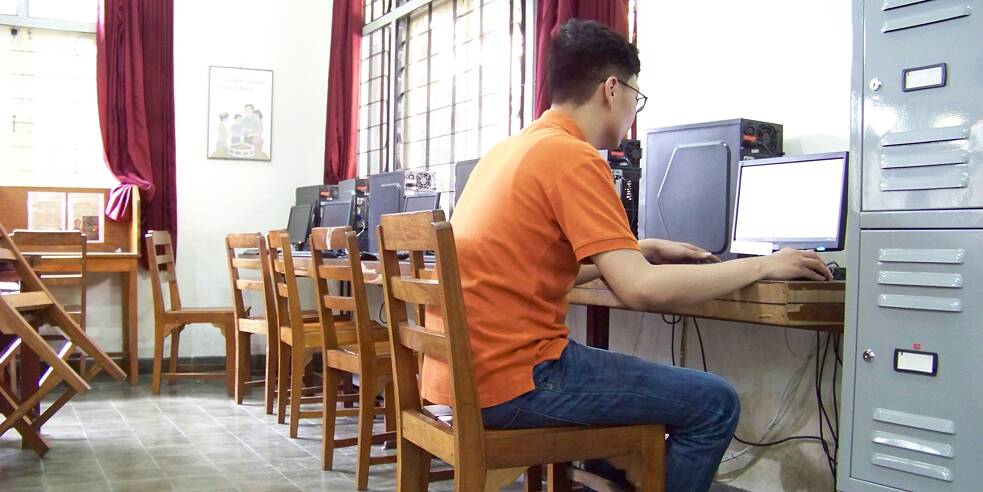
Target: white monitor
column 797, row 202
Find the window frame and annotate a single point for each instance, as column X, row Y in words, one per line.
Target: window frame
column 22, row 20
column 391, row 19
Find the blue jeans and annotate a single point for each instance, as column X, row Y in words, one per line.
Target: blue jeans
column 593, row 386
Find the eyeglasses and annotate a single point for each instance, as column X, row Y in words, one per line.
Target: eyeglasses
column 640, row 99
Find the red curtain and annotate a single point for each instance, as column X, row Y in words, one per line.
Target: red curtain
column 341, row 134
column 135, row 83
column 550, row 14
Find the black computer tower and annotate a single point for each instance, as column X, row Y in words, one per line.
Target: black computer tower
column 356, row 189
column 690, row 175
column 626, row 168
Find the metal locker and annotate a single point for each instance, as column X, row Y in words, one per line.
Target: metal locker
column 923, row 137
column 918, row 295
column 911, row 407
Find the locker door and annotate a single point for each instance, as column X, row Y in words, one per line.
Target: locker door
column 922, row 110
column 917, row 403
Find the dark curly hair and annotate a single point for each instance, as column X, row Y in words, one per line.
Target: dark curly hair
column 582, row 55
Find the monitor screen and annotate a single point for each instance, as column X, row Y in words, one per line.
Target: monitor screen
column 421, row 202
column 299, row 224
column 336, row 214
column 308, row 194
column 797, row 202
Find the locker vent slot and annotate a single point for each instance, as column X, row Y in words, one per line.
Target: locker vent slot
column 926, row 135
column 914, row 420
column 924, row 179
column 921, row 279
column 893, row 4
column 929, row 470
column 946, row 256
column 922, row 303
column 914, row 444
column 919, row 159
column 925, row 18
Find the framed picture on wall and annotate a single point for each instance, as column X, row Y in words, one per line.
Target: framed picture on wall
column 240, row 113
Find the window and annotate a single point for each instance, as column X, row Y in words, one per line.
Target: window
column 50, row 134
column 458, row 85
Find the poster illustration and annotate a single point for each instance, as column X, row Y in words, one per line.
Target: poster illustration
column 240, row 113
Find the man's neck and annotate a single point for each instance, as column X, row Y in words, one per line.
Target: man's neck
column 587, row 119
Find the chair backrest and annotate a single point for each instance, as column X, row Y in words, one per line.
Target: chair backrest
column 331, row 306
column 287, row 293
column 251, row 274
column 160, row 258
column 59, row 260
column 415, row 233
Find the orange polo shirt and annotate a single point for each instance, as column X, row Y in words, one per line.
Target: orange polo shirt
column 535, row 207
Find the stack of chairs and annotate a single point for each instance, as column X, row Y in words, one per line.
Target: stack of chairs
column 21, row 315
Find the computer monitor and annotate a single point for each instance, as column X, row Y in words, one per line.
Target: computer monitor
column 385, row 197
column 462, row 171
column 421, row 202
column 299, row 224
column 336, row 214
column 796, row 202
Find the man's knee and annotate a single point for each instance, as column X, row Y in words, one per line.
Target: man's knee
column 727, row 403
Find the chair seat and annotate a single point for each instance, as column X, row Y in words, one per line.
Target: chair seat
column 348, row 359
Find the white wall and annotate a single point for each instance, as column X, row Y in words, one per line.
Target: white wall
column 784, row 61
column 216, row 197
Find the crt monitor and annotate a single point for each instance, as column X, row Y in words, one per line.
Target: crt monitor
column 462, row 171
column 797, row 202
column 385, row 197
column 421, row 202
column 336, row 214
column 299, row 223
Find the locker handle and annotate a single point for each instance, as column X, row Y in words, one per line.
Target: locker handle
column 894, row 4
column 919, row 159
column 929, row 470
column 906, row 419
column 930, row 17
column 925, row 135
column 920, row 279
column 924, row 181
column 914, row 444
column 921, row 303
column 946, row 256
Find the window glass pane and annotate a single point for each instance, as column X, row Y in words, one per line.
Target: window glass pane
column 440, row 122
column 69, row 10
column 440, row 150
column 8, row 7
column 50, row 134
column 465, row 145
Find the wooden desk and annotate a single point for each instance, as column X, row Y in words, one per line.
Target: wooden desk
column 792, row 304
column 126, row 265
column 117, row 253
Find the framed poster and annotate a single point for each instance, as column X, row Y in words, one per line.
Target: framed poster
column 240, row 113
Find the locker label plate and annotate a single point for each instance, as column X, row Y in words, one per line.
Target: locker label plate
column 927, row 77
column 915, row 362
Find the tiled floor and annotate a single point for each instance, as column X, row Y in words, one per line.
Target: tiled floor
column 192, row 437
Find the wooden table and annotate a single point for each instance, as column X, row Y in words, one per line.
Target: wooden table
column 806, row 305
column 126, row 265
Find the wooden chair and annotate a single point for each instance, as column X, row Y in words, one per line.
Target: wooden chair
column 483, row 459
column 299, row 339
column 253, row 274
column 363, row 351
column 58, row 257
column 171, row 321
column 20, row 313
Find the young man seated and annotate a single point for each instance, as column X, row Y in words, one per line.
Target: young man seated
column 540, row 215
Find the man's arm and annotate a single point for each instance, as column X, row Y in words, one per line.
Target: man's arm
column 647, row 287
column 586, row 274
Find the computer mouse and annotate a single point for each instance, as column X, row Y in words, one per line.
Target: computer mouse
column 366, row 256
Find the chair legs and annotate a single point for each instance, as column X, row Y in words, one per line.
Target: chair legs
column 243, row 371
column 160, row 334
column 330, row 398
column 366, row 416
column 282, row 381
column 229, row 331
column 413, row 468
column 175, row 351
column 270, row 381
column 296, row 388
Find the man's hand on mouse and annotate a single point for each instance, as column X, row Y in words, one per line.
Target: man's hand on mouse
column 792, row 264
column 663, row 251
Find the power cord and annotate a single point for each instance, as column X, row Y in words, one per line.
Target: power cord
column 672, row 341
